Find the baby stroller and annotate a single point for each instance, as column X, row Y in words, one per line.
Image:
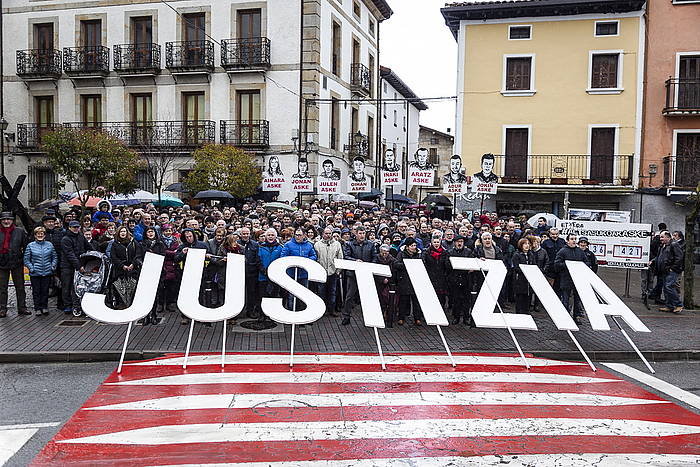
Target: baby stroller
column 96, row 266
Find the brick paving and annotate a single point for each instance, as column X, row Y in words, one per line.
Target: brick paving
column 25, row 334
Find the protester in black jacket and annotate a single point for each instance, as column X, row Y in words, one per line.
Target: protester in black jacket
column 386, row 287
column 253, row 266
column 359, row 249
column 669, row 267
column 54, row 234
column 13, row 241
column 552, row 246
column 459, row 284
column 541, row 260
column 407, row 296
column 152, row 244
column 521, row 286
column 127, row 258
column 73, row 244
column 571, row 252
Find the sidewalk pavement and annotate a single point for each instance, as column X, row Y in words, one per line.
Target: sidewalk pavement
column 47, row 338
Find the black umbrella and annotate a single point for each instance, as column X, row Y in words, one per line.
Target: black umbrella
column 178, row 187
column 437, row 199
column 213, row 194
column 374, row 193
column 399, row 198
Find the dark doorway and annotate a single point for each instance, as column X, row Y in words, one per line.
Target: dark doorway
column 602, row 154
column 516, row 154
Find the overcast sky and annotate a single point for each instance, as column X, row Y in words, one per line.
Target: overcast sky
column 420, row 49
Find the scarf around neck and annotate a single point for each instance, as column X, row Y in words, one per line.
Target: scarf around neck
column 7, row 231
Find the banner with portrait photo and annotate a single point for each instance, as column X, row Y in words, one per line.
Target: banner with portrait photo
column 302, row 181
column 391, row 170
column 485, row 182
column 358, row 181
column 328, row 180
column 455, row 182
column 273, row 178
column 421, row 172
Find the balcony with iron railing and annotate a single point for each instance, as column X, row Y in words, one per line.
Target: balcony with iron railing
column 358, row 145
column 39, row 64
column 147, row 136
column 86, row 61
column 360, row 79
column 565, row 169
column 29, row 134
column 682, row 97
column 682, row 171
column 137, row 59
column 189, row 56
column 245, row 54
column 245, row 133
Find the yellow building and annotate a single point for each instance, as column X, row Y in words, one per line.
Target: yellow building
column 553, row 90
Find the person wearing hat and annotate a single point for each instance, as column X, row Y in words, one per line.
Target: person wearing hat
column 13, row 241
column 591, row 260
column 73, row 244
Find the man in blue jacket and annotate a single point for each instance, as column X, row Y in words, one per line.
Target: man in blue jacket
column 298, row 246
column 268, row 251
column 252, row 269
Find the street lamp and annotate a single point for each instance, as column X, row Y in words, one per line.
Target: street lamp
column 3, row 127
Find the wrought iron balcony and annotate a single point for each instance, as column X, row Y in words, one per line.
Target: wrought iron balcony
column 86, row 61
column 358, row 145
column 565, row 169
column 147, row 136
column 682, row 171
column 360, row 79
column 245, row 54
column 682, row 97
column 245, row 133
column 39, row 64
column 189, row 56
column 132, row 59
column 29, row 134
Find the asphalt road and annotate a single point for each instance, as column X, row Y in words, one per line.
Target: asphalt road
column 51, row 393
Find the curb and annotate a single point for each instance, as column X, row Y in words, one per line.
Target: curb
column 113, row 356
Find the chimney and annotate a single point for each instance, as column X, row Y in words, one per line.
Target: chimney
column 449, row 130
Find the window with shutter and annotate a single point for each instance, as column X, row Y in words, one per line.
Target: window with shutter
column 518, row 73
column 604, row 71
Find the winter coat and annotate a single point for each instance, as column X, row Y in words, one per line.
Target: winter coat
column 552, row 247
column 304, row 249
column 170, row 269
column 40, row 258
column 403, row 282
column 327, row 252
column 15, row 255
column 379, row 280
column 541, row 258
column 54, row 236
column 437, row 268
column 520, row 283
column 670, row 258
column 180, row 256
column 479, row 252
column 72, row 246
column 364, row 251
column 567, row 254
column 459, row 279
column 268, row 252
column 138, row 231
column 252, row 257
column 126, row 255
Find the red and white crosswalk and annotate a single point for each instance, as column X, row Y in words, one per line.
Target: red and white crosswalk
column 344, row 410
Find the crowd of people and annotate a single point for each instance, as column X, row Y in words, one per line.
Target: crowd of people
column 321, row 231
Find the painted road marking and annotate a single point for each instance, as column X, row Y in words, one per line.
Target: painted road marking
column 363, row 377
column 660, row 385
column 326, row 359
column 383, row 429
column 247, row 401
column 528, row 460
column 13, row 437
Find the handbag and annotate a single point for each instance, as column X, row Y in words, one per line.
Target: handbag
column 125, row 288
